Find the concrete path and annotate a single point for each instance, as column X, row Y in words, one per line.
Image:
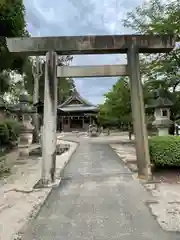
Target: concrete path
column 98, row 200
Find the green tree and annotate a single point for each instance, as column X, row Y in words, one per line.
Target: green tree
column 116, row 109
column 12, row 24
column 157, row 17
column 103, row 116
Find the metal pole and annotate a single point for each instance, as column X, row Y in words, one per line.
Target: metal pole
column 37, row 73
column 50, row 120
column 137, row 102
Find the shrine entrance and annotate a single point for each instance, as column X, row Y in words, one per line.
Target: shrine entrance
column 76, row 113
column 131, row 45
column 76, row 123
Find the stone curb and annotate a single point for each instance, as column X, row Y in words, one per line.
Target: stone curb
column 36, row 208
column 133, row 171
column 69, row 140
column 122, row 159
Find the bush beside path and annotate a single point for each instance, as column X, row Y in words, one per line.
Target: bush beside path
column 165, row 151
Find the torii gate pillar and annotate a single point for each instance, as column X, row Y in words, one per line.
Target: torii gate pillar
column 138, row 114
column 49, row 120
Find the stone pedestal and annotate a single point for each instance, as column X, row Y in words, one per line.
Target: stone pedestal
column 163, row 131
column 25, row 139
column 93, row 130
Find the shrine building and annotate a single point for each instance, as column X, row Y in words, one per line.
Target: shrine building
column 76, row 114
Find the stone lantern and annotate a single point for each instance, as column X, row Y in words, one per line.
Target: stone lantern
column 161, row 105
column 24, row 111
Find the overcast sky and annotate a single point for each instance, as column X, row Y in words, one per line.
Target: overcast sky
column 82, row 17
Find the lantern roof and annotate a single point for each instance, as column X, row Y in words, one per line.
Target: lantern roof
column 160, row 99
column 160, row 102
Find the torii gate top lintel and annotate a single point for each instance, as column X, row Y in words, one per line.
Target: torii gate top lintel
column 78, row 45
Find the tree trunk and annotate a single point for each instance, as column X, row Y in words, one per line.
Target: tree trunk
column 35, row 123
column 35, row 100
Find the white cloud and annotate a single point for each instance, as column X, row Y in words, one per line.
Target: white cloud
column 90, row 17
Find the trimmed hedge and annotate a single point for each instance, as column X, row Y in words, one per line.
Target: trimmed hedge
column 165, row 151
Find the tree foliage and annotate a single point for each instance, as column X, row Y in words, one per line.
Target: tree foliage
column 154, row 17
column 157, row 17
column 117, row 107
column 12, row 24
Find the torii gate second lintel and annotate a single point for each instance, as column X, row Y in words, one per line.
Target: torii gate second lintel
column 132, row 45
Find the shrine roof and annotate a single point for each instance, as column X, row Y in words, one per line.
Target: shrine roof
column 77, row 97
column 76, row 103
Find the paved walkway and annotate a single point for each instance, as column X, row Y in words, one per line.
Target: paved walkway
column 98, row 200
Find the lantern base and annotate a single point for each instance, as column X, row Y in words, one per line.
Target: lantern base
column 23, row 151
column 163, row 131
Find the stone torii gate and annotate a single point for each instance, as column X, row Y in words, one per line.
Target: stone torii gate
column 131, row 45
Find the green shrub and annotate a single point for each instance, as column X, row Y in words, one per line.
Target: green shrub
column 165, row 151
column 14, row 128
column 9, row 132
column 4, row 134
